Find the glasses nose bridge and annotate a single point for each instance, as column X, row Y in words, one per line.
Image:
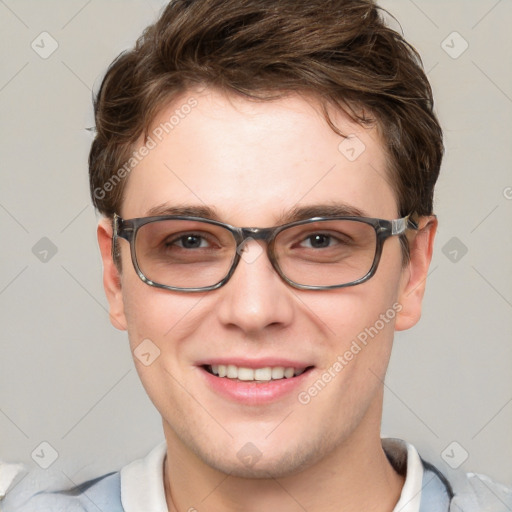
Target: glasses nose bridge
column 264, row 234
column 245, row 235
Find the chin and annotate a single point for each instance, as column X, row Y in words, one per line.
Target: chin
column 250, row 462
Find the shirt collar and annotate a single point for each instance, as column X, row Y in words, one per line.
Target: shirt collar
column 406, row 461
column 142, row 483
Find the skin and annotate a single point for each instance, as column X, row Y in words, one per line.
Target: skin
column 252, row 162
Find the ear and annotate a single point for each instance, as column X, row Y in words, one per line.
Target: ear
column 111, row 275
column 414, row 275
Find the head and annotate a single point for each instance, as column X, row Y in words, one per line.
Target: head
column 246, row 110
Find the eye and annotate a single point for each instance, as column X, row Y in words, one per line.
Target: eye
column 318, row 241
column 322, row 240
column 189, row 241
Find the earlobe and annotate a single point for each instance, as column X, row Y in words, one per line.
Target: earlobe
column 111, row 275
column 415, row 274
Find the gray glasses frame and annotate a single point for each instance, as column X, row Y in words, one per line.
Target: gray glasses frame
column 384, row 229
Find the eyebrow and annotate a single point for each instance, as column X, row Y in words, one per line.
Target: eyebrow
column 187, row 210
column 321, row 210
column 294, row 214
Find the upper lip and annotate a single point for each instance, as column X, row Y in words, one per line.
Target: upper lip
column 262, row 362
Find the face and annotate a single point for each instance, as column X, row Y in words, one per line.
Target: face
column 252, row 163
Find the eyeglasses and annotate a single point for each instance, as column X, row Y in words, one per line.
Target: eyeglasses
column 194, row 254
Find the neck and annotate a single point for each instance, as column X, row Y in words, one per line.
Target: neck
column 341, row 481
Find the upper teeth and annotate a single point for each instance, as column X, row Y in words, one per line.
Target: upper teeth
column 268, row 373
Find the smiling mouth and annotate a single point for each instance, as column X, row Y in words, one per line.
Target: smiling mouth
column 243, row 374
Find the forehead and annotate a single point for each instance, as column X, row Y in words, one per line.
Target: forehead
column 252, row 161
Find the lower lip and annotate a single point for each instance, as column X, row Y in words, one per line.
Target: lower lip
column 254, row 393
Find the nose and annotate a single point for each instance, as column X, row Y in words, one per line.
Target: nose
column 255, row 298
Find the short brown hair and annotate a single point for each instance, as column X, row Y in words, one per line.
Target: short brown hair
column 340, row 51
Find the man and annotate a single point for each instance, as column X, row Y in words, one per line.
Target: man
column 265, row 172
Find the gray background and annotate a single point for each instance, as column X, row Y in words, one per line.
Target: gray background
column 66, row 375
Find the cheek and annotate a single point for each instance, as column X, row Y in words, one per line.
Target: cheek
column 155, row 313
column 359, row 324
column 142, row 317
column 162, row 329
column 153, row 317
column 356, row 355
column 351, row 313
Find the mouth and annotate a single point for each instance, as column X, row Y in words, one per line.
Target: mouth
column 255, row 382
column 259, row 375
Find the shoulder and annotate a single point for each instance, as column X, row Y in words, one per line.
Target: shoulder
column 432, row 485
column 465, row 492
column 102, row 493
column 138, row 485
column 474, row 492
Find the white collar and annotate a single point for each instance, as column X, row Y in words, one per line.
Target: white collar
column 404, row 457
column 142, row 481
